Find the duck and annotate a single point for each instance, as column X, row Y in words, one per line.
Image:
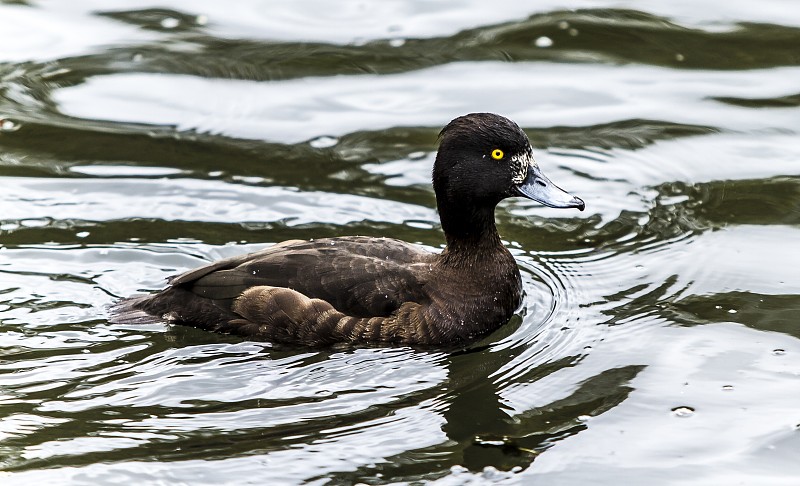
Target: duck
column 362, row 290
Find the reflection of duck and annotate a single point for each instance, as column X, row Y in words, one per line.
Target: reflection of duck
column 381, row 290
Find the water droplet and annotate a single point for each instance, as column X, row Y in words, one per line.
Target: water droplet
column 779, row 352
column 324, row 141
column 7, row 125
column 82, row 234
column 731, row 311
column 544, row 41
column 718, row 307
column 584, row 418
column 683, row 412
column 679, row 57
column 170, row 22
column 573, row 32
column 563, row 25
column 727, row 387
column 398, row 42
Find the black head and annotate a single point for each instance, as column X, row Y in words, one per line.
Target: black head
column 484, row 158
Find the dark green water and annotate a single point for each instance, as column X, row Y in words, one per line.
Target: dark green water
column 659, row 342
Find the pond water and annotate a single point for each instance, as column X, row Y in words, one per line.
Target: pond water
column 659, row 342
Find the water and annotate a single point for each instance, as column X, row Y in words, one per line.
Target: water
column 659, row 340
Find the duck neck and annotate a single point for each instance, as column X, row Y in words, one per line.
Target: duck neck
column 469, row 229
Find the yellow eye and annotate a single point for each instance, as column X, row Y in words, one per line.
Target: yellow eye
column 497, row 154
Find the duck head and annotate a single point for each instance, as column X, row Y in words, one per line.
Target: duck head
column 484, row 158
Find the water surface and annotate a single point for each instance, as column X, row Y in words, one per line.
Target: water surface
column 659, row 342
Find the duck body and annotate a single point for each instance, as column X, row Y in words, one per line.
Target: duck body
column 359, row 290
column 347, row 289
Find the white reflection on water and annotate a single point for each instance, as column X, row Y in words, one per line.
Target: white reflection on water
column 751, row 426
column 195, row 200
column 360, row 21
column 532, row 94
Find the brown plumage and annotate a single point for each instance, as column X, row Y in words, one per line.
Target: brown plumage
column 379, row 290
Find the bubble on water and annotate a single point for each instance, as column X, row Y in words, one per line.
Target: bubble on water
column 544, row 41
column 732, row 311
column 727, row 387
column 398, row 42
column 137, row 57
column 170, row 22
column 679, row 57
column 323, row 141
column 778, row 352
column 82, row 234
column 7, row 125
column 683, row 412
column 9, row 226
column 584, row 418
column 34, row 223
column 573, row 32
column 718, row 307
column 249, row 179
column 563, row 25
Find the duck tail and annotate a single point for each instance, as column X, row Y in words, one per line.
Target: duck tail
column 128, row 311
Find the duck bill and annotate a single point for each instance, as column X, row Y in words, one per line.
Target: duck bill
column 538, row 187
